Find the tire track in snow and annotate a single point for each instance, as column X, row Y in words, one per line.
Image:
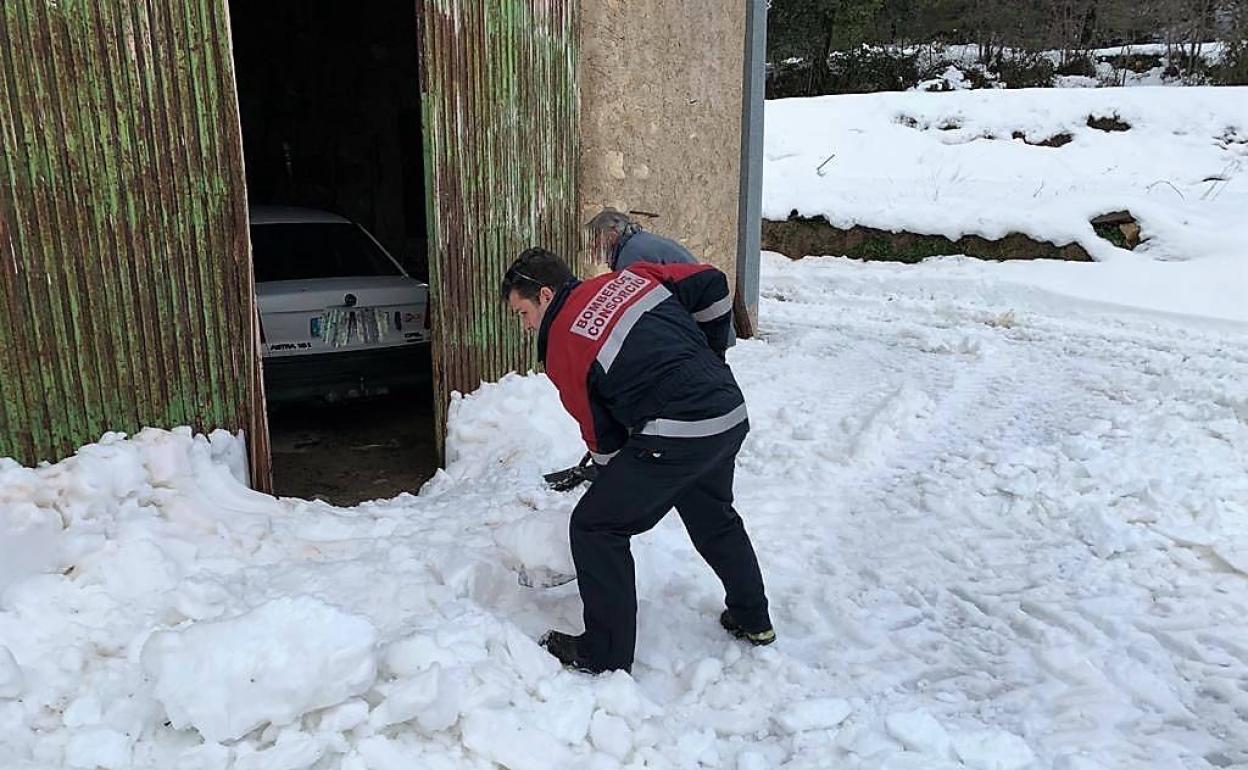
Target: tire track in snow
column 973, row 493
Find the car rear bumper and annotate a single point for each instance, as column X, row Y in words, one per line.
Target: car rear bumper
column 350, row 374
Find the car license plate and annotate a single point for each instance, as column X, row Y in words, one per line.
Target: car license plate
column 338, row 326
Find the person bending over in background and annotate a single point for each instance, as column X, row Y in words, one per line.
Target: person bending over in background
column 616, row 242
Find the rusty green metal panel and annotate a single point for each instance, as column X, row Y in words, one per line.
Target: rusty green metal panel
column 126, row 295
column 500, row 101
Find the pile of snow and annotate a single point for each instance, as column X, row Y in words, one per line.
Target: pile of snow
column 176, row 619
column 1000, row 530
column 947, row 164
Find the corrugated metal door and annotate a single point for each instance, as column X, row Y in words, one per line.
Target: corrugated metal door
column 126, row 297
column 500, row 109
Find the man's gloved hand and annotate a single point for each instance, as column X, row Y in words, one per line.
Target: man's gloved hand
column 570, row 478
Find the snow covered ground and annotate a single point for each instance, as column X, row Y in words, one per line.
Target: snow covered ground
column 948, row 164
column 1001, row 529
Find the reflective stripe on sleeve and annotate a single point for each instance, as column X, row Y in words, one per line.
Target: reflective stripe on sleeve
column 602, row 459
column 712, row 426
column 714, row 310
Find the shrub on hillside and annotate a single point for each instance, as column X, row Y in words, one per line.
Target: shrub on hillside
column 1023, row 70
column 1138, row 63
column 858, row 71
column 866, row 70
column 869, row 69
column 790, row 78
column 1081, row 64
column 1232, row 68
column 977, row 77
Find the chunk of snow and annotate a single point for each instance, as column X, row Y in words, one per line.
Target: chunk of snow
column 273, row 664
column 502, row 737
column 919, row 731
column 99, row 747
column 611, row 734
column 30, row 541
column 814, row 714
column 992, row 750
column 11, row 680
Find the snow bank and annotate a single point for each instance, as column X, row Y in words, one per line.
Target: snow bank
column 57, row 516
column 1202, row 289
column 948, row 164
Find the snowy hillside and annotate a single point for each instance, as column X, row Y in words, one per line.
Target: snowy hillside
column 975, row 163
column 1001, row 530
column 1150, row 60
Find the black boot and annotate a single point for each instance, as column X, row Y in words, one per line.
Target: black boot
column 756, row 638
column 565, row 648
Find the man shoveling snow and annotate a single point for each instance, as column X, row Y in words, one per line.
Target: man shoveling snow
column 616, row 241
column 637, row 356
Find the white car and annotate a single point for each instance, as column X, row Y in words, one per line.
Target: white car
column 339, row 316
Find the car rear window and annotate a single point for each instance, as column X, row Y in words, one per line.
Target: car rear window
column 296, row 250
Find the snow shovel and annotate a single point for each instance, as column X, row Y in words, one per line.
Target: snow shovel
column 542, row 577
column 570, row 478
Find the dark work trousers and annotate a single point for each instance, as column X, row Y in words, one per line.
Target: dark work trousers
column 632, row 493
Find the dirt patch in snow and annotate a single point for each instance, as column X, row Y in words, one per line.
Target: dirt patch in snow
column 1108, row 123
column 1057, row 140
column 1119, row 228
column 798, row 237
column 952, row 124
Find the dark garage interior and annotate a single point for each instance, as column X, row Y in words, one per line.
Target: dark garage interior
column 329, row 101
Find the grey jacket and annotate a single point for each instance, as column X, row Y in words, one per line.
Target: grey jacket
column 641, row 246
column 637, row 245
